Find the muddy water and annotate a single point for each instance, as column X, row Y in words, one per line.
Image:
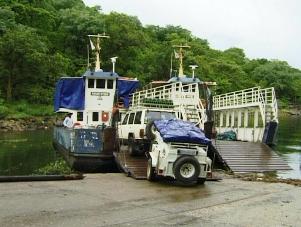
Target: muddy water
column 22, row 153
column 289, row 144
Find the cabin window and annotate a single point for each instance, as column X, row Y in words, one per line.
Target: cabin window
column 95, row 116
column 131, row 119
column 80, row 116
column 125, row 119
column 100, row 83
column 138, row 117
column 110, row 84
column 90, row 83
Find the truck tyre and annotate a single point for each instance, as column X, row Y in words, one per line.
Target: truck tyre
column 150, row 171
column 186, row 169
column 132, row 149
column 150, row 130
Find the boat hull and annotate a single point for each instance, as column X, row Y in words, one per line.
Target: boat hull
column 88, row 150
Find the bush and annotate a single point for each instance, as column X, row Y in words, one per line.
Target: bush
column 59, row 167
column 4, row 111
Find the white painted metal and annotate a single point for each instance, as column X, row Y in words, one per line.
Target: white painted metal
column 246, row 112
column 164, row 155
column 185, row 98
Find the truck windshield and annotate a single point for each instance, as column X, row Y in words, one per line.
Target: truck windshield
column 156, row 115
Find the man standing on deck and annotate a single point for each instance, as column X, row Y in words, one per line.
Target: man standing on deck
column 68, row 122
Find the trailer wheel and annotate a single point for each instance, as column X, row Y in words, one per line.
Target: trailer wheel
column 150, row 171
column 150, row 130
column 132, row 147
column 186, row 169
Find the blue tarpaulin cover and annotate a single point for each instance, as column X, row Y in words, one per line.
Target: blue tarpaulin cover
column 125, row 88
column 70, row 93
column 176, row 130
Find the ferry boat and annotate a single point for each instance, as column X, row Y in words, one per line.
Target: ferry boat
column 90, row 144
column 94, row 97
column 252, row 114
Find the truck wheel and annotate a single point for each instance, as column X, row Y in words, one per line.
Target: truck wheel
column 186, row 169
column 132, row 147
column 150, row 171
column 150, row 130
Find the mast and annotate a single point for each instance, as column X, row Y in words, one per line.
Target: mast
column 97, row 48
column 180, row 55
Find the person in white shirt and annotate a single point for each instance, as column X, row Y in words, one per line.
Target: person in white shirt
column 68, row 122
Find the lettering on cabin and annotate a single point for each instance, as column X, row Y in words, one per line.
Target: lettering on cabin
column 100, row 93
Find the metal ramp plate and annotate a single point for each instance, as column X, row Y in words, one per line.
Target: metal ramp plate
column 133, row 166
column 249, row 157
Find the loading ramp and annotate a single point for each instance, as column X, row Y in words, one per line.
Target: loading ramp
column 133, row 166
column 244, row 157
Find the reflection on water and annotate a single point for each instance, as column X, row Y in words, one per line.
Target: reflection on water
column 22, row 153
column 289, row 144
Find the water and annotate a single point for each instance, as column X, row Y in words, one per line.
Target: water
column 22, row 153
column 289, row 144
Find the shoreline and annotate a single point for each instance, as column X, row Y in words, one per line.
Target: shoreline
column 27, row 124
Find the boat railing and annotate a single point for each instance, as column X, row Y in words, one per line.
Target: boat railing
column 247, row 112
column 237, row 99
column 271, row 102
column 177, row 92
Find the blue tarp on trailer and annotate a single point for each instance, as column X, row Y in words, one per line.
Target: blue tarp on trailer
column 175, row 130
column 70, row 94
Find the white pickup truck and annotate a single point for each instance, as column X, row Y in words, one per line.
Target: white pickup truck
column 178, row 150
column 135, row 127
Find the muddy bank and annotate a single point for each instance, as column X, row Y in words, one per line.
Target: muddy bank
column 291, row 111
column 269, row 177
column 32, row 123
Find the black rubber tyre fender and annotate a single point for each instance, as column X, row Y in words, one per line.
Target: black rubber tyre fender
column 150, row 171
column 149, row 130
column 186, row 169
column 201, row 180
column 132, row 147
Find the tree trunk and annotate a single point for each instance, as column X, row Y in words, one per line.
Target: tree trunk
column 9, row 88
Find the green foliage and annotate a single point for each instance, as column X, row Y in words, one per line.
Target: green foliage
column 43, row 40
column 23, row 109
column 59, row 167
column 3, row 111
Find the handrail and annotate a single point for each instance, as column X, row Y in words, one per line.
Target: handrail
column 167, row 91
column 237, row 98
column 255, row 96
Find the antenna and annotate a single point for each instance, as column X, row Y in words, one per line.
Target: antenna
column 88, row 57
column 97, row 48
column 193, row 67
column 180, row 55
column 170, row 66
column 113, row 59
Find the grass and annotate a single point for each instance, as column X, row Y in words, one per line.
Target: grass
column 23, row 109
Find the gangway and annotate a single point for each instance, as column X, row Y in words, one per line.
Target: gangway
column 245, row 157
column 246, row 112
